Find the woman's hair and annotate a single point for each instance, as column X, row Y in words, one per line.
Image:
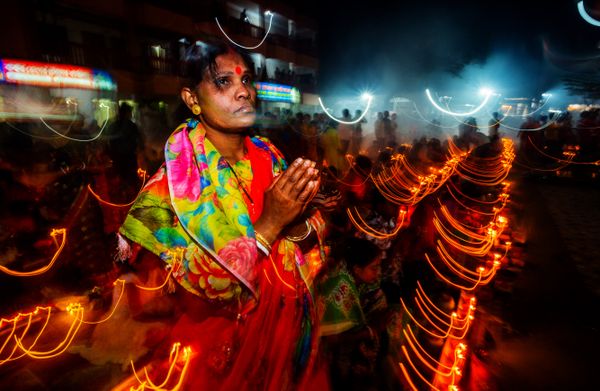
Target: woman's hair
column 356, row 252
column 201, row 60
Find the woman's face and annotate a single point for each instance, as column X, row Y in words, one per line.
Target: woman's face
column 369, row 274
column 228, row 100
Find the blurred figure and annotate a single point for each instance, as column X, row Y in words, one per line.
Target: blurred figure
column 469, row 135
column 345, row 132
column 357, row 131
column 388, row 130
column 124, row 144
column 494, row 125
column 529, row 135
column 310, row 134
column 434, row 129
column 330, row 144
column 392, row 139
column 244, row 16
column 379, row 132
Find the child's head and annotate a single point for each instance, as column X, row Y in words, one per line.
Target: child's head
column 363, row 259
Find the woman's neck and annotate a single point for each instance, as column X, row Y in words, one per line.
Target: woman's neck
column 230, row 145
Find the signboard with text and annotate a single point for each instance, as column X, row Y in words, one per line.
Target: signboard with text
column 277, row 92
column 54, row 75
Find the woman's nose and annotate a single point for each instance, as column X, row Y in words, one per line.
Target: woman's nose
column 243, row 91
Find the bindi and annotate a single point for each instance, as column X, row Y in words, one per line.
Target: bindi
column 238, row 70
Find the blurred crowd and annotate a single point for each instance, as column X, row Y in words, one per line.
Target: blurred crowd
column 44, row 183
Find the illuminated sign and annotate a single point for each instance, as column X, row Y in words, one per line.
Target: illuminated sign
column 54, row 75
column 277, row 92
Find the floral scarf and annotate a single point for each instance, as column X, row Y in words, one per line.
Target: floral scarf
column 194, row 214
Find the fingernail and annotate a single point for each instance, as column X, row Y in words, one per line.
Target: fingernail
column 297, row 161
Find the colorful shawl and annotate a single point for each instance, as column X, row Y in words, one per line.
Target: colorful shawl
column 339, row 302
column 194, row 215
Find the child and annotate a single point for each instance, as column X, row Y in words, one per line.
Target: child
column 353, row 312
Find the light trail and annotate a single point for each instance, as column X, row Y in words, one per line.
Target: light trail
column 59, row 231
column 488, row 94
column 248, row 47
column 586, row 16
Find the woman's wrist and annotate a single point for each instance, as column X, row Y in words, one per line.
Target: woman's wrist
column 262, row 243
column 300, row 232
column 268, row 232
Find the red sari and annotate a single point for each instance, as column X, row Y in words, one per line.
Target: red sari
column 267, row 343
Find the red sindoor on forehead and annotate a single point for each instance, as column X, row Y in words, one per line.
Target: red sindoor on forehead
column 238, row 70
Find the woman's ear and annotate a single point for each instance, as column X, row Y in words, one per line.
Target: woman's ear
column 189, row 97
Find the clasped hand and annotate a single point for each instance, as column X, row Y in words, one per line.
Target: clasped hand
column 287, row 197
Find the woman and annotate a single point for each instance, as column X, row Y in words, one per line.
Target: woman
column 223, row 214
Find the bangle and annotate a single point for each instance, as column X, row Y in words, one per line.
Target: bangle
column 303, row 236
column 262, row 243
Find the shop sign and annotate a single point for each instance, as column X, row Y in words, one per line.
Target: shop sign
column 54, row 75
column 277, row 92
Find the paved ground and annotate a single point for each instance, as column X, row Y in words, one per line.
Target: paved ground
column 549, row 337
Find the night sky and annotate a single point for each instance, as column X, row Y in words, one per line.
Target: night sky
column 404, row 47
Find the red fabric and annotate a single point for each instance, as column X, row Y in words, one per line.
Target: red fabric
column 262, row 176
column 262, row 343
column 255, row 352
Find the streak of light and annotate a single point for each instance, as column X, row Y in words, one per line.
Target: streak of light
column 486, row 98
column 269, row 13
column 140, row 172
column 53, row 233
column 369, row 99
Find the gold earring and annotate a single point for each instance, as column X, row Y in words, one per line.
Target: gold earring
column 196, row 109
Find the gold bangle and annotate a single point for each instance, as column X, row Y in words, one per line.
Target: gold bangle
column 303, row 236
column 261, row 241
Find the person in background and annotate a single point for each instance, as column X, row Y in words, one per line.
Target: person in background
column 354, row 314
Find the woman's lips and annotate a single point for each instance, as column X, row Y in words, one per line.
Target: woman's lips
column 245, row 109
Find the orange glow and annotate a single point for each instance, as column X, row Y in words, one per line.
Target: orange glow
column 414, row 368
column 495, row 169
column 448, row 333
column 460, row 270
column 475, row 247
column 402, row 184
column 174, row 359
column 413, row 344
column 141, row 173
column 407, row 377
column 114, row 308
column 174, row 268
column 422, row 303
column 60, row 348
column 53, row 233
column 569, row 154
column 441, row 276
column 362, row 225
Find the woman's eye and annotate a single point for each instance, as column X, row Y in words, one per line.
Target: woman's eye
column 246, row 80
column 222, row 81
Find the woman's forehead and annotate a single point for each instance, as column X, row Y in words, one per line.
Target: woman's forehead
column 231, row 62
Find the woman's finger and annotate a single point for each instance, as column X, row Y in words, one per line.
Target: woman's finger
column 295, row 178
column 309, row 191
column 287, row 174
column 309, row 175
